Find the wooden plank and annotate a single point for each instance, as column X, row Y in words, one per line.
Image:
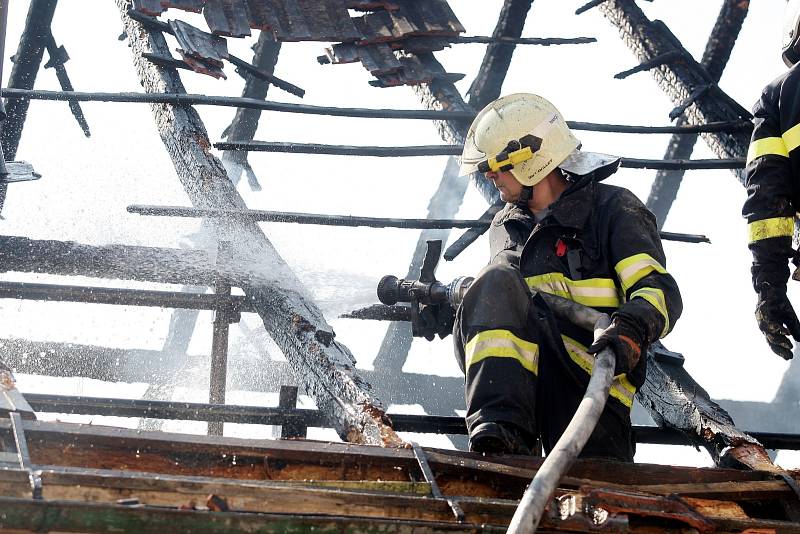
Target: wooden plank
column 115, row 448
column 733, row 491
column 716, row 509
column 266, row 497
column 65, row 516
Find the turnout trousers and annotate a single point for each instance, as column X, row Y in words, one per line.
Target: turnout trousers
column 518, row 372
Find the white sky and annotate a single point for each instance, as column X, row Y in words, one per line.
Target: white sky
column 87, row 184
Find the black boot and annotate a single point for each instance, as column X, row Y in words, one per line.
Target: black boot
column 498, row 438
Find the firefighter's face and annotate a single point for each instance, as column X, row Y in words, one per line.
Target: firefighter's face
column 505, row 182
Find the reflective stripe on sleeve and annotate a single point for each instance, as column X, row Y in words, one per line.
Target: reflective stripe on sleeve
column 621, row 388
column 766, row 146
column 593, row 292
column 656, row 298
column 766, row 228
column 791, row 138
column 634, row 268
column 502, row 344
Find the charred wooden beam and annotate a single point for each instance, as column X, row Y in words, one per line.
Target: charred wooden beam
column 718, row 49
column 453, row 150
column 471, row 235
column 657, row 61
column 58, row 57
column 487, row 84
column 509, row 40
column 184, row 99
column 123, row 262
column 245, row 121
column 307, row 218
column 675, row 400
column 217, row 386
column 326, row 367
column 124, row 297
column 27, row 60
column 348, row 220
column 649, row 39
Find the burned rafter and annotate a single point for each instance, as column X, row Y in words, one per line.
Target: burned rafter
column 649, row 39
column 345, row 220
column 453, row 150
column 58, row 56
column 245, row 122
column 471, row 235
column 667, row 57
column 326, row 367
column 27, row 60
column 733, row 126
column 717, row 52
column 696, row 95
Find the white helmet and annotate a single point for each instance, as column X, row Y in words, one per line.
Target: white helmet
column 791, row 33
column 526, row 135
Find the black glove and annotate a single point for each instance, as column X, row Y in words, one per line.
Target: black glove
column 626, row 337
column 776, row 319
column 434, row 319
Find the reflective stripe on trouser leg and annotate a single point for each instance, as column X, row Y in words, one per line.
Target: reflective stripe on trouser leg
column 496, row 350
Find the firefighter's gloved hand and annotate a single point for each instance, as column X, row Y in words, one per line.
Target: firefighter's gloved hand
column 627, row 340
column 434, row 319
column 777, row 319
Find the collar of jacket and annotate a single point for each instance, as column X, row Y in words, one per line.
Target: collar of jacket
column 571, row 209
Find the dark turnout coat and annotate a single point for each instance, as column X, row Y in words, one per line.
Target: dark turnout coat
column 599, row 246
column 773, row 176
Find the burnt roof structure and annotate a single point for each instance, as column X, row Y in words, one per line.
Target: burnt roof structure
column 395, row 41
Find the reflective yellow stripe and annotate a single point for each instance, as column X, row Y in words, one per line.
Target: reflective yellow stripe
column 502, row 344
column 791, row 137
column 769, row 145
column 634, row 268
column 656, row 298
column 621, row 388
column 594, row 292
column 514, row 158
column 766, row 228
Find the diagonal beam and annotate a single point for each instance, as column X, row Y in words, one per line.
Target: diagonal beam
column 245, row 121
column 489, row 81
column 27, row 60
column 715, row 57
column 678, row 79
column 448, row 197
column 326, row 367
column 243, row 127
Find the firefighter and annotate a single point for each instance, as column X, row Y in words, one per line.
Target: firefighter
column 773, row 195
column 560, row 232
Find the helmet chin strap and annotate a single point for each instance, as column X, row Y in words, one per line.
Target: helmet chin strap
column 524, row 196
